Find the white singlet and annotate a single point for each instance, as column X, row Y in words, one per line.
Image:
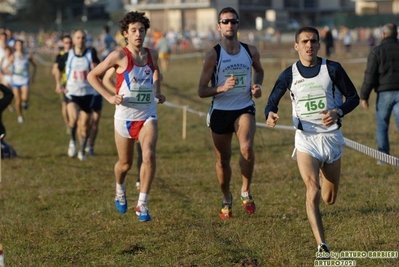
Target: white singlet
column 7, row 77
column 20, row 76
column 310, row 96
column 136, row 84
column 240, row 65
column 77, row 68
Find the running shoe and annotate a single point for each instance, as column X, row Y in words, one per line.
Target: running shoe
column 248, row 202
column 142, row 212
column 7, row 151
column 25, row 105
column 323, row 251
column 81, row 156
column 323, row 248
column 226, row 212
column 89, row 150
column 121, row 203
column 20, row 119
column 72, row 149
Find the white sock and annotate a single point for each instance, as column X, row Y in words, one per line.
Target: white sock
column 120, row 189
column 142, row 199
column 245, row 193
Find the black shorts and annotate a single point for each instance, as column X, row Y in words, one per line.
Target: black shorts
column 64, row 99
column 83, row 102
column 222, row 121
column 97, row 103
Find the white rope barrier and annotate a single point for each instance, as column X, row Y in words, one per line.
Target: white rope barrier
column 349, row 143
column 42, row 61
column 352, row 144
column 372, row 152
column 201, row 114
column 282, row 127
column 185, row 110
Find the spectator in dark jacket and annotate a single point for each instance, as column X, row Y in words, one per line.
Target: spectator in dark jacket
column 382, row 75
column 329, row 40
column 6, row 97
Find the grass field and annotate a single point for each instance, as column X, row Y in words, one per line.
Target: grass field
column 58, row 211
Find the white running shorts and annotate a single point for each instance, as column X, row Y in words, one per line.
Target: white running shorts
column 130, row 129
column 326, row 147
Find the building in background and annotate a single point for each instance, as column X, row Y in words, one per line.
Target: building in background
column 377, row 7
column 199, row 15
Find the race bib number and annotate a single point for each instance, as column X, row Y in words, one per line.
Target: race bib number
column 311, row 103
column 241, row 82
column 141, row 97
column 21, row 72
column 79, row 75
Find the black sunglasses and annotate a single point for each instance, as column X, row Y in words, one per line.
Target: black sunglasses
column 232, row 21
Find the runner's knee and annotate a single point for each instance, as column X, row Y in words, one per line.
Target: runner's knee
column 123, row 166
column 148, row 156
column 329, row 198
column 312, row 193
column 247, row 152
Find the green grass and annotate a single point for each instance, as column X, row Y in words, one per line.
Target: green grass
column 57, row 211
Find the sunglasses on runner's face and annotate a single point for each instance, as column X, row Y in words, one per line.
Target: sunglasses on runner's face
column 226, row 21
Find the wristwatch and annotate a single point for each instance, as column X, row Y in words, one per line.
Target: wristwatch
column 340, row 112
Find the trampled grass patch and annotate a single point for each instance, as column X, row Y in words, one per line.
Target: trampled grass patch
column 58, row 211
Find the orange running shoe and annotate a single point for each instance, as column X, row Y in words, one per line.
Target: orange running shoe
column 226, row 211
column 248, row 202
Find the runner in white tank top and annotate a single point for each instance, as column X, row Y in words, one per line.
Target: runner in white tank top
column 79, row 92
column 77, row 68
column 239, row 65
column 7, row 67
column 138, row 82
column 20, row 75
column 22, row 78
column 317, row 87
column 228, row 79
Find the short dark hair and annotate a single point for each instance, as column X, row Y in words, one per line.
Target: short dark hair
column 307, row 29
column 81, row 31
column 228, row 10
column 133, row 17
column 390, row 29
column 66, row 36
